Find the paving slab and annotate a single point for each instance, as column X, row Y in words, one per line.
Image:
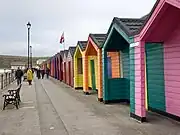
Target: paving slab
column 50, row 122
column 52, row 108
column 84, row 114
column 22, row 121
column 77, row 118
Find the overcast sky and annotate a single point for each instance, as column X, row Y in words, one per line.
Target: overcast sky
column 49, row 18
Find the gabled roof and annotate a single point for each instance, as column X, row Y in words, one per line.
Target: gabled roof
column 147, row 17
column 131, row 26
column 72, row 50
column 82, row 45
column 128, row 26
column 66, row 52
column 98, row 39
column 62, row 53
column 57, row 54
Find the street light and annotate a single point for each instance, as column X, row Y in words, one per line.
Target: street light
column 31, row 56
column 28, row 26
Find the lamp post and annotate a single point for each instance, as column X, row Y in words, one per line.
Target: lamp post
column 31, row 56
column 28, row 26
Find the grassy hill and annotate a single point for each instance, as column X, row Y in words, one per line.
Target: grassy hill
column 5, row 60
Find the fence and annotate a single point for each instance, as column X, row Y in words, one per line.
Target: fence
column 6, row 79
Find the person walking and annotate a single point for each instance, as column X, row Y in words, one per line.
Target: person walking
column 29, row 76
column 18, row 75
column 42, row 73
column 38, row 73
column 47, row 73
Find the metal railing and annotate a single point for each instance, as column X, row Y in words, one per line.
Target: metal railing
column 6, row 79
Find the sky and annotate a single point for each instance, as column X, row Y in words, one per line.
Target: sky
column 50, row 18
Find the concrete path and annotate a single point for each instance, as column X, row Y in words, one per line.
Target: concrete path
column 51, row 108
column 50, row 122
column 82, row 114
column 25, row 120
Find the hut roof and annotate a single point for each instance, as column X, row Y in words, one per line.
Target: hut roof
column 98, row 39
column 82, row 45
column 72, row 50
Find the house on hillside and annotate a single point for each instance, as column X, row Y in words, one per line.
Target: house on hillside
column 40, row 61
column 15, row 65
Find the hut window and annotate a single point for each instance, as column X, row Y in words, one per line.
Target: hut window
column 109, row 67
column 113, row 65
column 79, row 65
column 121, row 65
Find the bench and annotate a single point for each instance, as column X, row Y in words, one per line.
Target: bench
column 12, row 97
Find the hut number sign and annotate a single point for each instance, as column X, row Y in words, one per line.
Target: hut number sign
column 135, row 44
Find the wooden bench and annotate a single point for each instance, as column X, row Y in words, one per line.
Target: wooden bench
column 12, row 97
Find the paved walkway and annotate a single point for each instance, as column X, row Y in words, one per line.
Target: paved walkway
column 83, row 114
column 51, row 108
column 25, row 120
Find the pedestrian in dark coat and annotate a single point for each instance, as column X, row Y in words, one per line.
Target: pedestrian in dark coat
column 42, row 73
column 47, row 72
column 19, row 75
column 38, row 73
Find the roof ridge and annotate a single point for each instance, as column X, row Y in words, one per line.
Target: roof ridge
column 80, row 43
column 126, row 18
column 98, row 39
column 130, row 25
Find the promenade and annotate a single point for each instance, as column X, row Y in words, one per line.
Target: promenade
column 51, row 108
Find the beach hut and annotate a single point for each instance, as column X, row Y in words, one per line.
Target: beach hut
column 78, row 64
column 155, row 63
column 61, row 54
column 116, row 59
column 65, row 66
column 58, row 66
column 70, row 66
column 93, row 77
column 48, row 63
column 52, row 67
column 55, row 67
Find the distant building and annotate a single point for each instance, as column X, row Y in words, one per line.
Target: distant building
column 15, row 65
column 40, row 61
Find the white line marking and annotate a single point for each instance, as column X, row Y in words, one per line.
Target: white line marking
column 28, row 107
column 28, row 102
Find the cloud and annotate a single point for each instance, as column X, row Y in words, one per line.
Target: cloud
column 49, row 18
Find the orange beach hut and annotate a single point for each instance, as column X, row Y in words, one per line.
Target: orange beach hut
column 93, row 65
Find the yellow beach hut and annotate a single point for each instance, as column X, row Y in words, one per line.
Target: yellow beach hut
column 78, row 64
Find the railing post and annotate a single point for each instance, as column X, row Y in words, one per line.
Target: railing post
column 2, row 81
column 6, row 78
column 9, row 78
column 12, row 77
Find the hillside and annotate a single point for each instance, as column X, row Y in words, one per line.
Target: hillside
column 5, row 60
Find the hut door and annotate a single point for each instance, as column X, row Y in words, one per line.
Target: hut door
column 65, row 72
column 69, row 67
column 55, row 69
column 93, row 77
column 155, row 76
column 61, row 71
column 109, row 67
